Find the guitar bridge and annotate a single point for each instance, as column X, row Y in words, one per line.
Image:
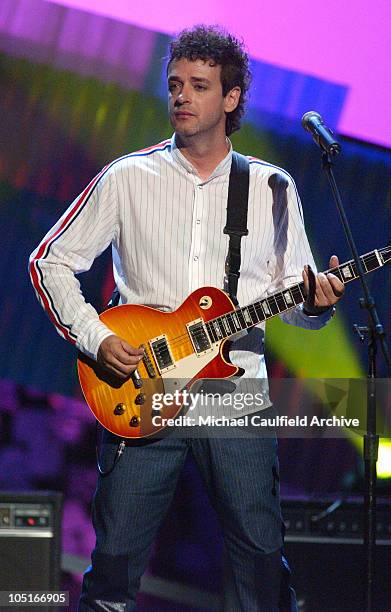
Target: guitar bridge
column 162, row 353
column 147, row 361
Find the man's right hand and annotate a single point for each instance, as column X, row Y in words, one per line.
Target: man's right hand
column 118, row 357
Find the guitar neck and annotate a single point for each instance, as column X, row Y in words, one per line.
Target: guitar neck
column 240, row 319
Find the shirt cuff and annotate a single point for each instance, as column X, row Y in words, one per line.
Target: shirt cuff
column 316, row 320
column 296, row 316
column 92, row 338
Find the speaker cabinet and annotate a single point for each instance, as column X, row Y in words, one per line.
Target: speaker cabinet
column 30, row 541
column 324, row 548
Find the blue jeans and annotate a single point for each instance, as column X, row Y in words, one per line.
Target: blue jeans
column 241, row 477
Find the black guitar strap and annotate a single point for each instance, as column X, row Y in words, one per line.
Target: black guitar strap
column 236, row 225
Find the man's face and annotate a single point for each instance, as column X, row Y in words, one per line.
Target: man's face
column 196, row 104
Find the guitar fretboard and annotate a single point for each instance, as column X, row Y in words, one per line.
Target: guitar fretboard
column 244, row 318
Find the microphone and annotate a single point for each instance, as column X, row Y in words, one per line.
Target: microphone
column 323, row 136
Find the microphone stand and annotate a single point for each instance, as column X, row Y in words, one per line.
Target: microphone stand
column 375, row 334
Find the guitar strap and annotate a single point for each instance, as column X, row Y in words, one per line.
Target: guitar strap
column 236, row 225
column 114, row 300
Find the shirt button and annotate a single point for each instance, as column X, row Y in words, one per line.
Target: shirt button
column 195, row 258
column 198, row 221
column 200, row 186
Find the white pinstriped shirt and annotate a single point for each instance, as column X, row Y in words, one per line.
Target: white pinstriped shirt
column 165, row 226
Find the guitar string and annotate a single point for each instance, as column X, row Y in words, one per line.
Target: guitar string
column 179, row 340
column 174, row 341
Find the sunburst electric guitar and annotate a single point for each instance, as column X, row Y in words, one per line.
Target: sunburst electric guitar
column 180, row 348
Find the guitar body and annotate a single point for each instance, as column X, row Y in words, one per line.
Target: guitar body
column 182, row 347
column 171, row 362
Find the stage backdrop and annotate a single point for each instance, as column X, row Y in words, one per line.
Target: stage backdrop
column 82, row 84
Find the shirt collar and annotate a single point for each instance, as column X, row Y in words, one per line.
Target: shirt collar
column 222, row 168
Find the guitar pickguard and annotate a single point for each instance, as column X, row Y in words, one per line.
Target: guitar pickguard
column 185, row 369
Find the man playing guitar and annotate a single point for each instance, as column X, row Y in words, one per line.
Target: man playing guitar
column 163, row 210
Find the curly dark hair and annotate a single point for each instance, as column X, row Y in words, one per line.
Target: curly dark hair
column 211, row 42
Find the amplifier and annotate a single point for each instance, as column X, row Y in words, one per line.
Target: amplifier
column 324, row 547
column 30, row 541
column 332, row 521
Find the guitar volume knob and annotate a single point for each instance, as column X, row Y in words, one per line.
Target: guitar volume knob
column 119, row 409
column 140, row 399
column 134, row 421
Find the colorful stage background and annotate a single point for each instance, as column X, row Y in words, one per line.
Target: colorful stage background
column 79, row 89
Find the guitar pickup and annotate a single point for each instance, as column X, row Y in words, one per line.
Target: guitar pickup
column 198, row 336
column 162, row 353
